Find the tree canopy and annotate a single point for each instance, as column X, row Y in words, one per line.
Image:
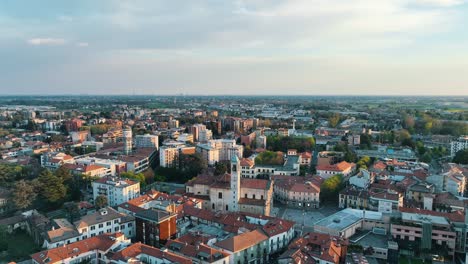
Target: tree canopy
column 461, row 157
column 52, row 187
column 269, row 158
column 301, row 144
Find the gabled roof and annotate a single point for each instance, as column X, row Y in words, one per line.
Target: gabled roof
column 137, row 249
column 56, row 255
column 242, row 241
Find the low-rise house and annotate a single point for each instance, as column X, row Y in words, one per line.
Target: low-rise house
column 106, row 220
column 252, row 246
column 93, row 250
column 363, row 179
column 344, row 168
column 198, row 252
column 141, row 253
column 316, row 248
column 53, row 161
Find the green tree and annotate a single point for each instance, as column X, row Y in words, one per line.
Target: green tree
column 331, row 187
column 191, row 165
column 221, row 168
column 366, row 141
column 3, row 238
column 334, row 120
column 140, row 177
column 23, row 194
column 269, row 158
column 461, row 157
column 52, row 187
column 101, row 201
column 64, row 174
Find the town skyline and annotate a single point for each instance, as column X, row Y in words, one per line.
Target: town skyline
column 255, row 47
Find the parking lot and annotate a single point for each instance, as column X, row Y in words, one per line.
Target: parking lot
column 308, row 217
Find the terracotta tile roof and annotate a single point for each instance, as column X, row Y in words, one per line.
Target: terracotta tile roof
column 137, row 249
column 260, row 184
column 342, row 166
column 246, row 162
column 242, row 241
column 298, row 183
column 277, row 226
column 56, row 255
column 380, row 166
column 196, row 251
column 316, row 245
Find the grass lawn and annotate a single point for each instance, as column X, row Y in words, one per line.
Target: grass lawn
column 20, row 246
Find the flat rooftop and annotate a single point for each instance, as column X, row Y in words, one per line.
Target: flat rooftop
column 369, row 239
column 346, row 217
column 438, row 220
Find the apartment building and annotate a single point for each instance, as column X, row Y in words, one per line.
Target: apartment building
column 106, row 220
column 117, row 190
column 459, row 144
column 146, row 141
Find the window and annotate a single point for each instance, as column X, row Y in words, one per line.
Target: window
column 93, row 227
column 116, row 229
column 116, row 221
column 101, row 225
column 220, row 195
column 245, row 195
column 212, row 206
column 253, row 196
column 227, row 207
column 130, row 224
column 109, row 223
column 261, row 197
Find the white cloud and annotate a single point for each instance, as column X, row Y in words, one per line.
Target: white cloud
column 46, row 41
column 443, row 3
column 64, row 18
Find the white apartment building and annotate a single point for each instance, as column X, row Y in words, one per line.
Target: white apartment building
column 168, row 156
column 205, row 135
column 208, row 153
column 227, row 148
column 460, row 144
column 90, row 250
column 117, row 190
column 147, row 141
column 106, row 220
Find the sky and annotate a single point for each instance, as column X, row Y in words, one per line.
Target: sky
column 245, row 47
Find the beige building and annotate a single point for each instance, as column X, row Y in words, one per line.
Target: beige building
column 230, row 192
column 297, row 191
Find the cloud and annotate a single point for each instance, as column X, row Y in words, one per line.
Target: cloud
column 64, row 18
column 82, row 44
column 443, row 3
column 46, row 41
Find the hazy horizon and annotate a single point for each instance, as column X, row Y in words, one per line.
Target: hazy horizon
column 257, row 47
